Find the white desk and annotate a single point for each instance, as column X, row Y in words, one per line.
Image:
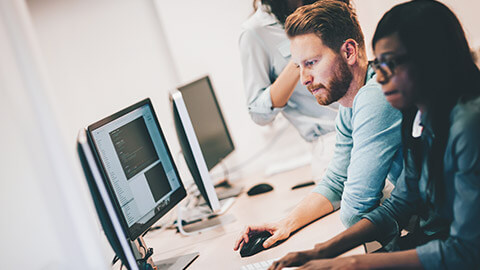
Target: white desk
column 216, row 245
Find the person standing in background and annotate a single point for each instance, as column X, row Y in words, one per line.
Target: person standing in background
column 271, row 80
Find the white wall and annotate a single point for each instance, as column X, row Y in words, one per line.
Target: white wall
column 102, row 56
column 19, row 197
column 46, row 223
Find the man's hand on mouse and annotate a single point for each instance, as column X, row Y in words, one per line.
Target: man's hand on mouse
column 278, row 230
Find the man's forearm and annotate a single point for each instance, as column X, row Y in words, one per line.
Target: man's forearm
column 309, row 209
column 284, row 85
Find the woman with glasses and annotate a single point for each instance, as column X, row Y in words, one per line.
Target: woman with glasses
column 424, row 64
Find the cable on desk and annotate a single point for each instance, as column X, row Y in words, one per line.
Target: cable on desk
column 115, row 259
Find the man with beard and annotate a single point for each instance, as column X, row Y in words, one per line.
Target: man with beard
column 328, row 47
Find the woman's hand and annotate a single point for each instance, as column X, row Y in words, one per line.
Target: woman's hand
column 344, row 263
column 300, row 258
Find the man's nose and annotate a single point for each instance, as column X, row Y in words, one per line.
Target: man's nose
column 305, row 77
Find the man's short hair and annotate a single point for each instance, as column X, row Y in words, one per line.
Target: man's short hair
column 333, row 21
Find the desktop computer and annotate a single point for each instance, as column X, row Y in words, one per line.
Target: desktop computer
column 204, row 139
column 133, row 180
column 198, row 168
column 192, row 151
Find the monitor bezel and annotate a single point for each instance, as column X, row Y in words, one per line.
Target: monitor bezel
column 220, row 112
column 175, row 197
column 106, row 211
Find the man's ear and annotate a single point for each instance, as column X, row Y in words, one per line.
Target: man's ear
column 349, row 51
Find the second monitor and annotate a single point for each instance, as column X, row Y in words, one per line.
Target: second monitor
column 203, row 137
column 207, row 120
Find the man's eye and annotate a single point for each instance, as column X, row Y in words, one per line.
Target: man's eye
column 310, row 63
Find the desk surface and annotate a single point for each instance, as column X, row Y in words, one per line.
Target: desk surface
column 216, row 245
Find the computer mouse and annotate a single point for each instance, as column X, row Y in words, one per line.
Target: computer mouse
column 255, row 244
column 259, row 189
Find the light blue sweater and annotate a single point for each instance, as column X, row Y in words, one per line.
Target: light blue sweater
column 367, row 149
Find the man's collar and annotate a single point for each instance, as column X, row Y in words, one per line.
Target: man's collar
column 417, row 127
column 370, row 73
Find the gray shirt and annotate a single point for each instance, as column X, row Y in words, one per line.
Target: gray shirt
column 265, row 51
column 459, row 214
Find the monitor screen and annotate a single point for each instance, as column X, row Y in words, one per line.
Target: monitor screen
column 207, row 119
column 138, row 167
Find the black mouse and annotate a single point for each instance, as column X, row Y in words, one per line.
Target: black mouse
column 259, row 189
column 255, row 244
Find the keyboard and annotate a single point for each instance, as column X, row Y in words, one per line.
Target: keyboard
column 262, row 265
column 258, row 266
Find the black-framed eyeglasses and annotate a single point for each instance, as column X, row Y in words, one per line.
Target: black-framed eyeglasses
column 385, row 69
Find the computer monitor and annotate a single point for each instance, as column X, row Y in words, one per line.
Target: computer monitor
column 136, row 162
column 192, row 151
column 207, row 120
column 107, row 214
column 137, row 170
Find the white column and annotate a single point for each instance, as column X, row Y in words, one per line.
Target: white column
column 45, row 220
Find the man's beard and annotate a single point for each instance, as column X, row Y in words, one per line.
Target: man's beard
column 338, row 85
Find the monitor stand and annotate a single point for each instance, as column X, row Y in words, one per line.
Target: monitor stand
column 174, row 263
column 225, row 192
column 225, row 188
column 201, row 218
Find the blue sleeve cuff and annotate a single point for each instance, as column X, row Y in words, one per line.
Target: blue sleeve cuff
column 388, row 228
column 349, row 216
column 428, row 255
column 261, row 109
column 330, row 194
column 263, row 102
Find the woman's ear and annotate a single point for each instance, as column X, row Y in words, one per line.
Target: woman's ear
column 349, row 51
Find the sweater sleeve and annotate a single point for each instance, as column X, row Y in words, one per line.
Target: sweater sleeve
column 461, row 250
column 257, row 77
